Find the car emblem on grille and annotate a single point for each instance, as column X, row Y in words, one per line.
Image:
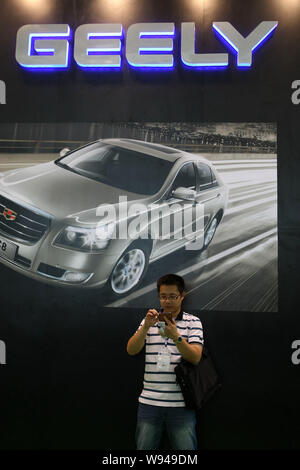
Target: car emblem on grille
column 9, row 214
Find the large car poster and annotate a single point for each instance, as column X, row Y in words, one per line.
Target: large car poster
column 61, row 186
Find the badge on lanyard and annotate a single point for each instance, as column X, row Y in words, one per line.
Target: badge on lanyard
column 164, row 358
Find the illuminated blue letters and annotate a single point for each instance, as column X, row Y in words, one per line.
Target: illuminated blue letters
column 93, row 42
column 143, row 38
column 188, row 55
column 98, row 46
column 244, row 46
column 43, row 45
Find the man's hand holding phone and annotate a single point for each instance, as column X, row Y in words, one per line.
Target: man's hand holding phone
column 151, row 318
column 171, row 329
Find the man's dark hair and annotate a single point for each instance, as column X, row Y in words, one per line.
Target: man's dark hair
column 171, row 280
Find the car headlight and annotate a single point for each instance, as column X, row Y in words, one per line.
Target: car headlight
column 85, row 239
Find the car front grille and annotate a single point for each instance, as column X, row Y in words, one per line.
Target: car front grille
column 22, row 223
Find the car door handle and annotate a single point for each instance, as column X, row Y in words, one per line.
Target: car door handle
column 210, row 198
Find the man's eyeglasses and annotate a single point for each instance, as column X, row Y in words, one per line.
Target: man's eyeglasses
column 171, row 297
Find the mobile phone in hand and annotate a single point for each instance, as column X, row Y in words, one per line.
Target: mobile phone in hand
column 163, row 315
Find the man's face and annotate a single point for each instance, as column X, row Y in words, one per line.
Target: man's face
column 170, row 298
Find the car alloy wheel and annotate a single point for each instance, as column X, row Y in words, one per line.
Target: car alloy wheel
column 128, row 271
column 210, row 232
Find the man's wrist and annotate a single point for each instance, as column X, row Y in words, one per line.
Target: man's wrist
column 178, row 340
column 175, row 336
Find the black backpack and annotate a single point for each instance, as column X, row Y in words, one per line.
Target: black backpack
column 197, row 382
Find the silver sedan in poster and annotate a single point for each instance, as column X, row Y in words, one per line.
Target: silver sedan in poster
column 66, row 222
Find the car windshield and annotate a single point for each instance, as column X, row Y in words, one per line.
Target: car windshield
column 122, row 168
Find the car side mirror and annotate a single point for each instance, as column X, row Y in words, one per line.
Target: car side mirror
column 184, row 193
column 64, row 151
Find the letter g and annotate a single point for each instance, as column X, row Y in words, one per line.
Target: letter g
column 43, row 45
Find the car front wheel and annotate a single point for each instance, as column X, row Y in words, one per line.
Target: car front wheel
column 129, row 270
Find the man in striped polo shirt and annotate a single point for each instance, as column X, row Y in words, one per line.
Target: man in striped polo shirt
column 161, row 402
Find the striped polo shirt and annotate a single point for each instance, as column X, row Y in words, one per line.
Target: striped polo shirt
column 160, row 388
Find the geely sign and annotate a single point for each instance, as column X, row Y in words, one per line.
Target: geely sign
column 47, row 46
